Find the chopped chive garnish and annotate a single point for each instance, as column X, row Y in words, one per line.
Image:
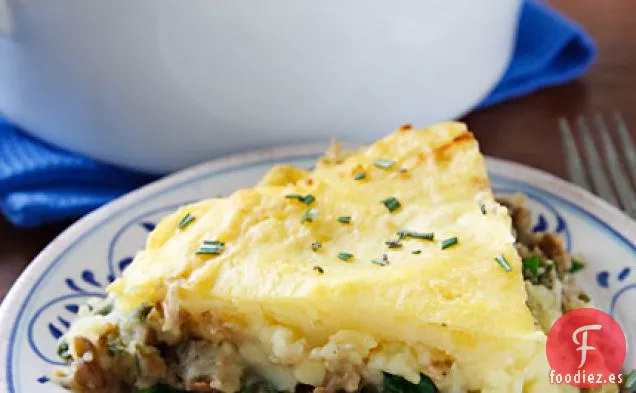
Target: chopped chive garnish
column 211, row 247
column 416, row 235
column 344, row 219
column 380, row 261
column 345, row 256
column 482, row 207
column 383, row 163
column 393, row 243
column 209, row 251
column 309, row 215
column 316, row 245
column 531, row 264
column 186, row 220
column 416, row 252
column 359, row 176
column 630, row 380
column 450, row 242
column 319, row 269
column 214, row 243
column 391, row 203
column 307, row 199
column 576, row 266
column 503, row 262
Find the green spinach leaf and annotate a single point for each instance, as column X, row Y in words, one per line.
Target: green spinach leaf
column 396, row 384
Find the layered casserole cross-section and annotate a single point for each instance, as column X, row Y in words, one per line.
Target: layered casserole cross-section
column 391, row 265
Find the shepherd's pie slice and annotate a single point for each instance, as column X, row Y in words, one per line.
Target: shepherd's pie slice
column 392, row 265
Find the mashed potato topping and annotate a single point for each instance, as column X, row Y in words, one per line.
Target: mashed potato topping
column 392, row 261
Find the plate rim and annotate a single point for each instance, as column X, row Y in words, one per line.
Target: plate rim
column 601, row 211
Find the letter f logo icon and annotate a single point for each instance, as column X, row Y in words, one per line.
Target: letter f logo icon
column 583, row 343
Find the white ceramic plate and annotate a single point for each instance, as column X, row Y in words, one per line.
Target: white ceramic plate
column 81, row 262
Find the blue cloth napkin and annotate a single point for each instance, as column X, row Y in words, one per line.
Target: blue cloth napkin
column 551, row 49
column 40, row 183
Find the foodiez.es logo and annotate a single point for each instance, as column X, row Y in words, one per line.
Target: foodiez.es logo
column 586, row 348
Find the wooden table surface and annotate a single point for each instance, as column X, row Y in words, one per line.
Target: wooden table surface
column 523, row 130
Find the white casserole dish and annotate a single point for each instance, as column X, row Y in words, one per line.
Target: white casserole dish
column 159, row 85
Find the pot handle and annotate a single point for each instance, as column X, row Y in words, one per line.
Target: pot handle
column 6, row 25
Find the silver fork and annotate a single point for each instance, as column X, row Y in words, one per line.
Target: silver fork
column 615, row 186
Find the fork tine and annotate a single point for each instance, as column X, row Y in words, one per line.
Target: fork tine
column 599, row 179
column 619, row 178
column 626, row 142
column 575, row 168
